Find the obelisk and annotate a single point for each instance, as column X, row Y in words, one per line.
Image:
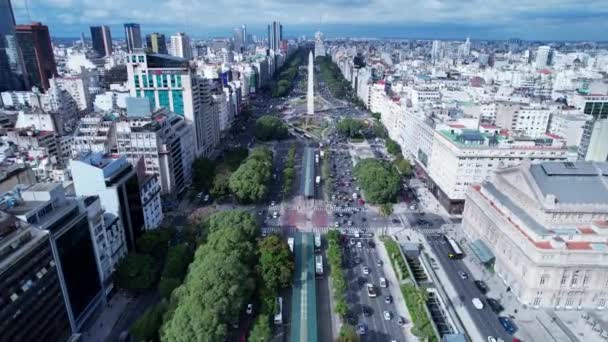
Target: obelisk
column 310, row 96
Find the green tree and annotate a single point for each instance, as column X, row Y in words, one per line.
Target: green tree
column 276, row 263
column 136, row 272
column 404, row 167
column 376, row 115
column 348, row 334
column 270, row 127
column 393, row 148
column 261, row 329
column 155, row 243
column 220, row 281
column 203, row 171
column 349, row 127
column 379, row 130
column 379, row 180
column 167, row 285
column 177, row 261
column 221, row 185
column 249, row 183
column 147, row 326
column 386, row 209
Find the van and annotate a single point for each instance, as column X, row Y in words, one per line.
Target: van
column 477, row 303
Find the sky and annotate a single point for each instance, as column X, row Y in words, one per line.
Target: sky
column 450, row 19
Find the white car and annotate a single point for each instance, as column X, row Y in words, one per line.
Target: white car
column 383, row 282
column 359, row 245
column 272, row 203
column 275, row 215
column 387, row 315
column 477, row 303
column 491, row 339
column 249, row 309
column 357, row 234
column 365, row 270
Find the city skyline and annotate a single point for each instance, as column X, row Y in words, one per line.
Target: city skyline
column 551, row 20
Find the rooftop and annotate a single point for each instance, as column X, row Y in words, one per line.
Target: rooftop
column 573, row 182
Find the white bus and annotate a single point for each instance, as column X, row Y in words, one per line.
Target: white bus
column 290, row 242
column 456, row 252
column 278, row 318
column 319, row 266
column 317, row 242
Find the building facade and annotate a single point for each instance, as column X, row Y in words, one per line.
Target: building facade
column 544, row 229
column 37, row 51
column 156, row 43
column 101, row 38
column 133, row 37
column 13, row 75
column 180, row 46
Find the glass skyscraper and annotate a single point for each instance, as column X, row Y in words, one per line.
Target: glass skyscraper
column 12, row 69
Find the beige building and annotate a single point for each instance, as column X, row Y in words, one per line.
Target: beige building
column 544, row 228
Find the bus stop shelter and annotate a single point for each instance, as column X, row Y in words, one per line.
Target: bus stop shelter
column 482, row 252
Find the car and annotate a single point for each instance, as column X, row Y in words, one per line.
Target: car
column 359, row 245
column 361, row 280
column 361, row 329
column 275, row 215
column 379, row 263
column 357, row 234
column 206, row 198
column 383, row 282
column 494, row 305
column 463, row 275
column 337, row 224
column 351, row 242
column 371, row 291
column 481, row 285
column 477, row 303
column 367, row 311
column 365, row 270
column 371, row 244
column 507, row 324
column 357, row 260
column 249, row 309
column 396, row 221
column 402, row 321
column 387, row 315
column 272, row 203
column 388, row 299
column 492, row 339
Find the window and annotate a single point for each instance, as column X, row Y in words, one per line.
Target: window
column 543, row 279
column 536, row 301
column 565, row 278
column 574, row 279
column 586, row 279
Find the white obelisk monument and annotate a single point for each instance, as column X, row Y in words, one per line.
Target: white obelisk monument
column 310, row 96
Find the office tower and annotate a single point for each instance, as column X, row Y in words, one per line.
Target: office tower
column 594, row 141
column 133, row 37
column 436, row 51
column 310, row 96
column 102, row 40
column 35, row 43
column 275, row 35
column 12, row 68
column 180, row 46
column 172, row 83
column 46, row 207
column 156, row 43
column 240, row 36
column 542, row 57
column 33, row 304
column 114, row 180
column 319, row 44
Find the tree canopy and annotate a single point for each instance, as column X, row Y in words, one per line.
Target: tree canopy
column 203, row 171
column 146, row 327
column 393, row 148
column 269, row 127
column 261, row 329
column 404, row 167
column 219, row 283
column 249, row 183
column 348, row 334
column 137, row 272
column 276, row 263
column 378, row 179
column 350, row 127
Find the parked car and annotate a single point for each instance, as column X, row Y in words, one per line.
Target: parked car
column 477, row 303
column 361, row 329
column 463, row 275
column 387, row 315
column 507, row 324
column 481, row 285
column 388, row 299
column 249, row 309
column 383, row 282
column 494, row 305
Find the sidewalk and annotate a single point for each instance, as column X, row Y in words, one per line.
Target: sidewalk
column 101, row 328
column 395, row 290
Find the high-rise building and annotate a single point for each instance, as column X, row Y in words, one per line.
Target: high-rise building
column 114, row 180
column 180, row 46
column 12, row 68
column 319, row 44
column 156, row 43
column 240, row 38
column 275, row 35
column 102, row 40
column 172, row 83
column 133, row 36
column 542, row 57
column 45, row 206
column 35, row 43
column 33, row 303
column 436, row 51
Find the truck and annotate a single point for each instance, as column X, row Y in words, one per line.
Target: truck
column 316, row 158
column 322, row 154
column 318, row 180
column 319, row 266
column 290, row 242
column 317, row 242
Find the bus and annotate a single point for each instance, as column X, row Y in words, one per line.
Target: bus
column 317, row 242
column 290, row 242
column 278, row 318
column 319, row 266
column 455, row 251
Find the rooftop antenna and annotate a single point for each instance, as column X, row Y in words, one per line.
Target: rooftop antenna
column 27, row 10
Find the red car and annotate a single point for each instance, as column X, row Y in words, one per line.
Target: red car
column 361, row 202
